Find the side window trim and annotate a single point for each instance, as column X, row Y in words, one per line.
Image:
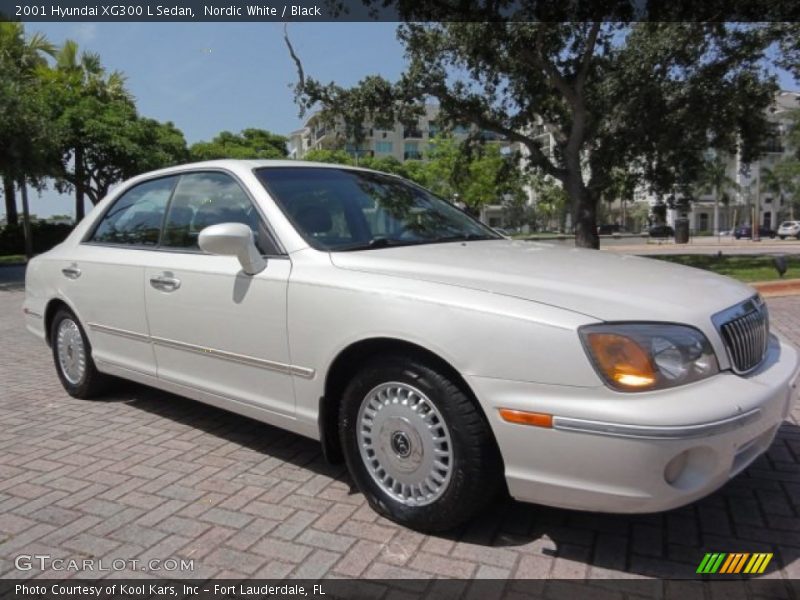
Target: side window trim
column 87, row 238
column 281, row 251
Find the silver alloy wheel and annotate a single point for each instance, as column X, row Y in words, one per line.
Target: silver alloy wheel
column 405, row 443
column 71, row 351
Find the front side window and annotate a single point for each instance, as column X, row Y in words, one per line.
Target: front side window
column 204, row 199
column 342, row 209
column 135, row 217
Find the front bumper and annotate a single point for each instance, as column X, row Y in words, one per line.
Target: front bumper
column 648, row 452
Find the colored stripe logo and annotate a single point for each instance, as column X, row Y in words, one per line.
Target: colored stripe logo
column 731, row 563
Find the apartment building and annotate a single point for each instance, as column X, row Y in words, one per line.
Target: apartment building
column 750, row 196
column 401, row 142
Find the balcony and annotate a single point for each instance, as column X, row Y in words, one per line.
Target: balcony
column 412, row 132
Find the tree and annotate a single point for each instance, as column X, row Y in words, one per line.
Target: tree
column 94, row 115
column 714, row 179
column 250, row 143
column 25, row 150
column 783, row 180
column 101, row 137
column 551, row 202
column 609, row 93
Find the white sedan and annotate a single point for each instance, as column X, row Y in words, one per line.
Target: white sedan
column 441, row 361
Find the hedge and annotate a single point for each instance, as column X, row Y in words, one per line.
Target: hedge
column 45, row 236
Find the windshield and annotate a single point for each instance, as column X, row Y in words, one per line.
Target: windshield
column 341, row 209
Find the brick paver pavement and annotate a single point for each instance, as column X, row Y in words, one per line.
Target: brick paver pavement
column 144, row 474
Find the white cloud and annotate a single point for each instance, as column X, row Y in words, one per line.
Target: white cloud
column 84, row 32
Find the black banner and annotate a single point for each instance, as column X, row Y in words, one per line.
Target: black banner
column 400, row 10
column 330, row 589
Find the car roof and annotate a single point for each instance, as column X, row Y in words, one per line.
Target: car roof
column 249, row 164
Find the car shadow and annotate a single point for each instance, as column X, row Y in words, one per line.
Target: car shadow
column 757, row 511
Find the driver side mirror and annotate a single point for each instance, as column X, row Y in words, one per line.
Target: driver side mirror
column 233, row 239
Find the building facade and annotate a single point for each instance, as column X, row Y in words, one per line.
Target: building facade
column 750, row 197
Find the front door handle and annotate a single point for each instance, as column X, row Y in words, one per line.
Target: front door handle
column 165, row 282
column 72, row 271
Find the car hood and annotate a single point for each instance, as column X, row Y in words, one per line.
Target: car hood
column 602, row 285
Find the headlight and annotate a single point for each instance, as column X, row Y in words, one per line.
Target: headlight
column 648, row 356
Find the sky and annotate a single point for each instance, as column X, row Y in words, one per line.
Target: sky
column 211, row 77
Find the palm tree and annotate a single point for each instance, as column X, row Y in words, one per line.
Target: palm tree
column 85, row 75
column 783, row 180
column 714, row 179
column 22, row 60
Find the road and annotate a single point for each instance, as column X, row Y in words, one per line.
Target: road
column 144, row 474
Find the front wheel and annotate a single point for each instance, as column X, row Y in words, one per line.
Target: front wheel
column 417, row 445
column 72, row 355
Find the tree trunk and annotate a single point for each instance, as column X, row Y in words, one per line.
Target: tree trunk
column 584, row 212
column 716, row 212
column 26, row 219
column 12, row 218
column 79, row 177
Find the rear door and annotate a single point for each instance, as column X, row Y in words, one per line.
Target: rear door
column 213, row 327
column 105, row 280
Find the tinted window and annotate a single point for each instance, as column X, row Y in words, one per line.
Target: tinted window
column 342, row 209
column 135, row 218
column 204, row 199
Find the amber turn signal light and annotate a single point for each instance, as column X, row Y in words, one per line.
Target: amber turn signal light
column 622, row 360
column 523, row 417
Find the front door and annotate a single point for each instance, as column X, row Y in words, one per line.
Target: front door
column 213, row 327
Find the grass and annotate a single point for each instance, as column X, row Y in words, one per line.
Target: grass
column 742, row 267
column 12, row 259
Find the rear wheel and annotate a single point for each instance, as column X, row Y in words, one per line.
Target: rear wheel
column 417, row 445
column 72, row 355
column 783, row 237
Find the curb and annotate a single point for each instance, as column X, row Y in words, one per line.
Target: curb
column 781, row 287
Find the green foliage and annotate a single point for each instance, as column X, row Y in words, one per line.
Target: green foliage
column 25, row 133
column 249, row 144
column 552, row 203
column 102, row 138
column 612, row 94
column 744, row 268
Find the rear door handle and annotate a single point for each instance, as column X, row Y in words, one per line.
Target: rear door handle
column 165, row 283
column 71, row 272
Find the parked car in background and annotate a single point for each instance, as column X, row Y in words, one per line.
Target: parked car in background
column 661, row 231
column 789, row 229
column 746, row 231
column 609, row 229
column 442, row 362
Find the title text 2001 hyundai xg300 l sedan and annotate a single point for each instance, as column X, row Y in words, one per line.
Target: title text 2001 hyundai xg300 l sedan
column 439, row 359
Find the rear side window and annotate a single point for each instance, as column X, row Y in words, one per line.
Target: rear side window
column 204, row 199
column 136, row 216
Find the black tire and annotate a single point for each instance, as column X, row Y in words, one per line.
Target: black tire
column 92, row 383
column 783, row 237
column 477, row 469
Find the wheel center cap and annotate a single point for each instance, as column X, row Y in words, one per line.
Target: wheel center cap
column 400, row 444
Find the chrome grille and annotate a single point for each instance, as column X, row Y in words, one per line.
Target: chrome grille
column 745, row 331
